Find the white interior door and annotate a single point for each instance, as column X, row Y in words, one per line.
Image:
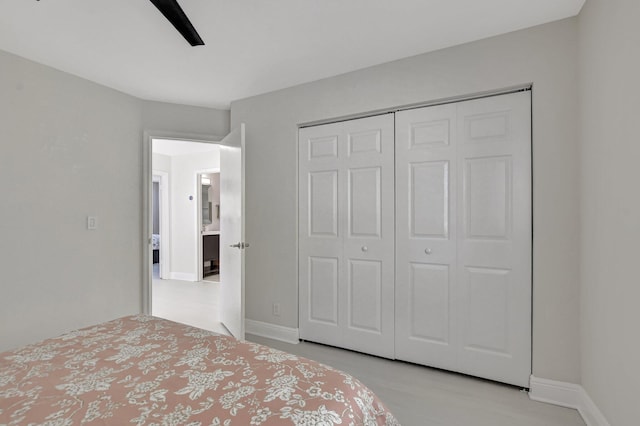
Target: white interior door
column 232, row 242
column 346, row 245
column 463, row 189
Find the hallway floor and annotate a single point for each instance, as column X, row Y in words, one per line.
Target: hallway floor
column 192, row 303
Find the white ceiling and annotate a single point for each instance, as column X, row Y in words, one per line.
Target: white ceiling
column 174, row 147
column 252, row 46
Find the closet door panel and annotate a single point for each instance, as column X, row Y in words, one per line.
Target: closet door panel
column 369, row 240
column 346, row 228
column 320, row 234
column 426, row 236
column 463, row 237
column 494, row 238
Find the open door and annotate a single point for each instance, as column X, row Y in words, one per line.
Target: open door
column 232, row 243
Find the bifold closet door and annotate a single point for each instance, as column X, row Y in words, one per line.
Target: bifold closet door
column 426, row 236
column 346, row 234
column 463, row 236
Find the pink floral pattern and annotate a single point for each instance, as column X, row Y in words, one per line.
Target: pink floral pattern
column 142, row 370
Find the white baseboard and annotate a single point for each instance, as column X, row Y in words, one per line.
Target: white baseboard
column 567, row 395
column 590, row 412
column 272, row 331
column 182, row 276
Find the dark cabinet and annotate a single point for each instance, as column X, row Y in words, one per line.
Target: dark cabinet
column 211, row 254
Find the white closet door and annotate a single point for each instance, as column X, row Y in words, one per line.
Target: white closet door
column 463, row 289
column 426, row 236
column 495, row 237
column 346, row 227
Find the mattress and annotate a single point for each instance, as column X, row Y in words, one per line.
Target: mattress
column 142, row 370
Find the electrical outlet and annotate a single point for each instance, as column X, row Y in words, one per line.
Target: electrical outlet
column 275, row 309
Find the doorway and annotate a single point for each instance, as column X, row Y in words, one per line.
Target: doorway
column 178, row 291
column 223, row 309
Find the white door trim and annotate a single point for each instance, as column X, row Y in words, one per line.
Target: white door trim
column 302, row 272
column 147, row 179
column 433, row 102
column 164, row 217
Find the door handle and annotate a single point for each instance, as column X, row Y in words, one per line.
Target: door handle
column 240, row 245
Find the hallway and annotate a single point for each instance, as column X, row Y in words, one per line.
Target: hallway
column 192, row 303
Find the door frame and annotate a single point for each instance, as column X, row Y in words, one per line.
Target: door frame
column 164, row 220
column 198, row 177
column 147, row 181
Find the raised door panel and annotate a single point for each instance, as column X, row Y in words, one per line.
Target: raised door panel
column 323, row 294
column 487, row 192
column 487, row 127
column 323, row 203
column 365, row 296
column 429, row 133
column 429, row 199
column 323, row 147
column 488, row 311
column 365, row 208
column 429, row 298
column 368, row 141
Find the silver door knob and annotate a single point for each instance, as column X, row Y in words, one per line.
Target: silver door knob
column 240, row 245
column 427, row 251
column 365, row 249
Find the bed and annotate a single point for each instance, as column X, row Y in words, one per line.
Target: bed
column 143, row 370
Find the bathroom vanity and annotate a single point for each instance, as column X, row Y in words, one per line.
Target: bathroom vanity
column 210, row 252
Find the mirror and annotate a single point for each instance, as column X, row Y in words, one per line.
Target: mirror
column 207, row 216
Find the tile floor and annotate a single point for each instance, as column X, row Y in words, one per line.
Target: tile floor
column 192, row 303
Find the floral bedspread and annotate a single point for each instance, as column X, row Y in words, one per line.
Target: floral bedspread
column 143, row 370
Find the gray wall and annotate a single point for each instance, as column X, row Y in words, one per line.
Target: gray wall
column 545, row 56
column 610, row 317
column 71, row 148
column 186, row 120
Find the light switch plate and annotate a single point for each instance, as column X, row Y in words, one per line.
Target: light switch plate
column 92, row 222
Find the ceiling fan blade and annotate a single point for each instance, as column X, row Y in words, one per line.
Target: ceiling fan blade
column 174, row 13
